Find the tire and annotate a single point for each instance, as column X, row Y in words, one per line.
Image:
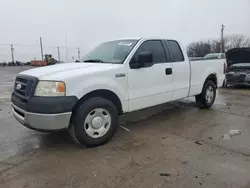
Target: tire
column 205, row 99
column 96, row 121
column 224, row 83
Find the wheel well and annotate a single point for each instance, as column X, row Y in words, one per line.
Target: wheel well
column 107, row 94
column 213, row 78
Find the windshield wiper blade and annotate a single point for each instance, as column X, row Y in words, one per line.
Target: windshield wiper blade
column 94, row 60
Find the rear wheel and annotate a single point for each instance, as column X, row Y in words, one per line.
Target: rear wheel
column 207, row 97
column 96, row 122
column 224, row 83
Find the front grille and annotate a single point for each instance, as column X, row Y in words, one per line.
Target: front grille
column 23, row 88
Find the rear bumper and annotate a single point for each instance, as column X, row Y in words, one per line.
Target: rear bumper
column 41, row 122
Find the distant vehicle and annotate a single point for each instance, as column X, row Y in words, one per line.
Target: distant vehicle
column 215, row 56
column 238, row 74
column 48, row 60
column 238, row 61
column 3, row 63
column 116, row 77
column 195, row 58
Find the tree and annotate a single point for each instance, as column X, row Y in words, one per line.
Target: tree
column 198, row 49
column 236, row 41
column 215, row 46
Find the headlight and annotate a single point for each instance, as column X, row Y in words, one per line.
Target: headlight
column 50, row 88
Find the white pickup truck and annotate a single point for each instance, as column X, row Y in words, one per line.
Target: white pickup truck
column 114, row 78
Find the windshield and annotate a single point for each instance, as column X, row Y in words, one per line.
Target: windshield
column 110, row 52
column 212, row 56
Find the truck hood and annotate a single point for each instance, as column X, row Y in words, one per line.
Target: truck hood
column 64, row 70
column 238, row 55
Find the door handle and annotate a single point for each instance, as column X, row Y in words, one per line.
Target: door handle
column 168, row 71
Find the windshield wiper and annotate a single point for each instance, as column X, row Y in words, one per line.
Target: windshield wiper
column 94, row 61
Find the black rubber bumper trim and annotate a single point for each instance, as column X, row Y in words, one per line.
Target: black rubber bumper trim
column 44, row 130
column 46, row 105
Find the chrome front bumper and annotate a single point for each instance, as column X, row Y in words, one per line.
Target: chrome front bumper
column 42, row 122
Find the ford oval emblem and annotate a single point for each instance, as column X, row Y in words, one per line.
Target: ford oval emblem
column 18, row 86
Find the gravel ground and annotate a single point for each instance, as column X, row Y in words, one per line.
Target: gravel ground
column 173, row 145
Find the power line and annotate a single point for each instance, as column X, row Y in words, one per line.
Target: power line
column 22, row 45
column 32, row 45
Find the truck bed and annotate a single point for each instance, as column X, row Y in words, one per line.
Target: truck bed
column 199, row 71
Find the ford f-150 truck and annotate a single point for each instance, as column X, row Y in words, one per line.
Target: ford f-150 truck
column 114, row 78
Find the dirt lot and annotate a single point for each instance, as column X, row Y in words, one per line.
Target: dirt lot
column 173, row 145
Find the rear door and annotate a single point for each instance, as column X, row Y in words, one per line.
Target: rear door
column 152, row 84
column 181, row 70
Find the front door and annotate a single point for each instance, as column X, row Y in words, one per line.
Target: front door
column 152, row 84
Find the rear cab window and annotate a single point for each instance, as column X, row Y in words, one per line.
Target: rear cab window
column 175, row 51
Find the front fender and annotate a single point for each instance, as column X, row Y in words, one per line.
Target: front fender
column 80, row 88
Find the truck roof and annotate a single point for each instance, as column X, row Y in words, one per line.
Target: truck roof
column 144, row 38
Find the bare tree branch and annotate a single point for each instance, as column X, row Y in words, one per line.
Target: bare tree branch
column 237, row 41
column 201, row 48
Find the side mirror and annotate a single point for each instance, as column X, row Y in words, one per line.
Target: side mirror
column 141, row 60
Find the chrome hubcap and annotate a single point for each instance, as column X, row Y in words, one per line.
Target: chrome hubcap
column 209, row 94
column 97, row 123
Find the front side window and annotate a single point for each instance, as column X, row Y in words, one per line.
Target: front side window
column 110, row 52
column 154, row 46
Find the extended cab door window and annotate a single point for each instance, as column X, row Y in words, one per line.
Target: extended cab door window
column 154, row 46
column 175, row 51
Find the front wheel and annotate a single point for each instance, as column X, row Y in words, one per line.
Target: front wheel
column 207, row 97
column 96, row 122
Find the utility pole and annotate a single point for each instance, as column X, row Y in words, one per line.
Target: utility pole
column 58, row 54
column 41, row 45
column 66, row 43
column 222, row 50
column 12, row 53
column 78, row 51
